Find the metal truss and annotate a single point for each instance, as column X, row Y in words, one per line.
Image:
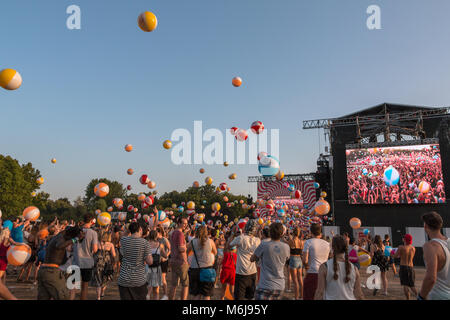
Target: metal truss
column 287, row 177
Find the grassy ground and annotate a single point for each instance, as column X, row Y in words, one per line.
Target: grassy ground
column 28, row 291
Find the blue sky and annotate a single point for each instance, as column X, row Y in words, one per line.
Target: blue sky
column 86, row 93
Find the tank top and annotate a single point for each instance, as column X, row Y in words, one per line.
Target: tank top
column 338, row 289
column 204, row 255
column 441, row 289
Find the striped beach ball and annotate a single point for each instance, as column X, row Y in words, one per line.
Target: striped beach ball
column 18, row 255
column 161, row 215
column 316, row 185
column 391, row 176
column 118, row 202
column 144, row 205
column 98, row 211
column 141, row 197
column 130, row 171
column 147, row 21
column 322, row 207
column 233, row 130
column 10, row 79
column 144, row 179
column 101, row 190
column 128, row 148
column 31, row 213
column 208, row 181
column 269, row 166
column 241, row 135
column 40, row 180
column 364, row 259
column 167, row 144
column 130, row 208
column 149, row 200
column 151, row 185
column 146, row 218
column 190, row 212
column 424, row 187
column 257, row 127
column 190, row 205
column 355, row 223
column 104, row 219
column 196, row 184
column 237, row 81
column 110, row 209
column 280, row 175
column 215, row 206
column 223, row 186
column 232, row 176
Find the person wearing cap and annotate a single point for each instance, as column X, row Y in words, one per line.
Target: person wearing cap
column 406, row 254
column 436, row 253
column 246, row 244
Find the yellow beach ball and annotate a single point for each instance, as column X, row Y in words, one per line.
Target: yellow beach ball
column 167, row 144
column 147, row 21
column 10, row 79
column 40, row 180
column 104, row 219
column 208, row 181
column 53, row 160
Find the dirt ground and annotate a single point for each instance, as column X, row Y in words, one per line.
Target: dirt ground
column 28, row 291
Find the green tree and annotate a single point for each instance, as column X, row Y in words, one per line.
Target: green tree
column 16, row 184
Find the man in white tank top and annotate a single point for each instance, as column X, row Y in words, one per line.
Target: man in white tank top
column 436, row 254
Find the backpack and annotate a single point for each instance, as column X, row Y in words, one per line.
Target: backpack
column 156, row 259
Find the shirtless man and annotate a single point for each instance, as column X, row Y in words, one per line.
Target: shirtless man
column 436, row 253
column 406, row 254
column 51, row 279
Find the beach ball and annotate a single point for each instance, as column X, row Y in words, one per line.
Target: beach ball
column 190, row 212
column 237, row 82
column 33, row 194
column 215, row 206
column 130, row 208
column 323, row 194
column 280, row 175
column 161, row 215
column 364, row 259
column 291, row 188
column 110, row 209
column 366, row 232
column 10, row 79
column 104, row 219
column 270, row 206
column 391, row 176
column 281, row 213
column 40, row 180
column 225, row 164
column 364, row 171
column 233, row 130
column 241, row 223
column 149, row 200
column 202, row 170
column 128, row 187
column 225, row 198
column 322, row 207
column 190, row 205
column 147, row 21
column 18, row 255
column 118, row 202
column 130, row 171
column 144, row 205
column 196, row 184
column 268, row 166
column 316, row 185
column 223, row 186
column 180, row 209
column 101, row 190
column 261, row 155
column 128, row 148
column 31, row 213
column 53, row 160
column 151, row 185
column 424, row 187
column 241, row 135
column 297, row 194
column 137, row 216
column 257, row 127
column 355, row 223
column 144, row 179
column 98, row 211
column 141, row 197
column 167, row 144
column 260, row 221
column 232, row 176
column 146, row 218
column 208, row 180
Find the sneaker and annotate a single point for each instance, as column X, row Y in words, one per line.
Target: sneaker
column 165, row 297
column 288, row 290
column 147, row 297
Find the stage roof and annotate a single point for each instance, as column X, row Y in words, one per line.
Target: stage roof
column 387, row 107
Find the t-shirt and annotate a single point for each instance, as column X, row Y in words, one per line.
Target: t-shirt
column 176, row 241
column 17, row 234
column 246, row 246
column 273, row 256
column 132, row 269
column 83, row 255
column 318, row 251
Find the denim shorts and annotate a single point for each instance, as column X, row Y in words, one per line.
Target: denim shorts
column 295, row 262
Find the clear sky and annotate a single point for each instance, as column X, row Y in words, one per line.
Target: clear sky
column 86, row 93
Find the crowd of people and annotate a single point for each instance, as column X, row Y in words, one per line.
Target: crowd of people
column 256, row 262
column 365, row 176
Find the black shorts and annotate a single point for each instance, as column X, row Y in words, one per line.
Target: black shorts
column 199, row 288
column 244, row 287
column 164, row 266
column 407, row 276
column 86, row 275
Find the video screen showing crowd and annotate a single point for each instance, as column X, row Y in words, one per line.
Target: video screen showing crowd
column 395, row 175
